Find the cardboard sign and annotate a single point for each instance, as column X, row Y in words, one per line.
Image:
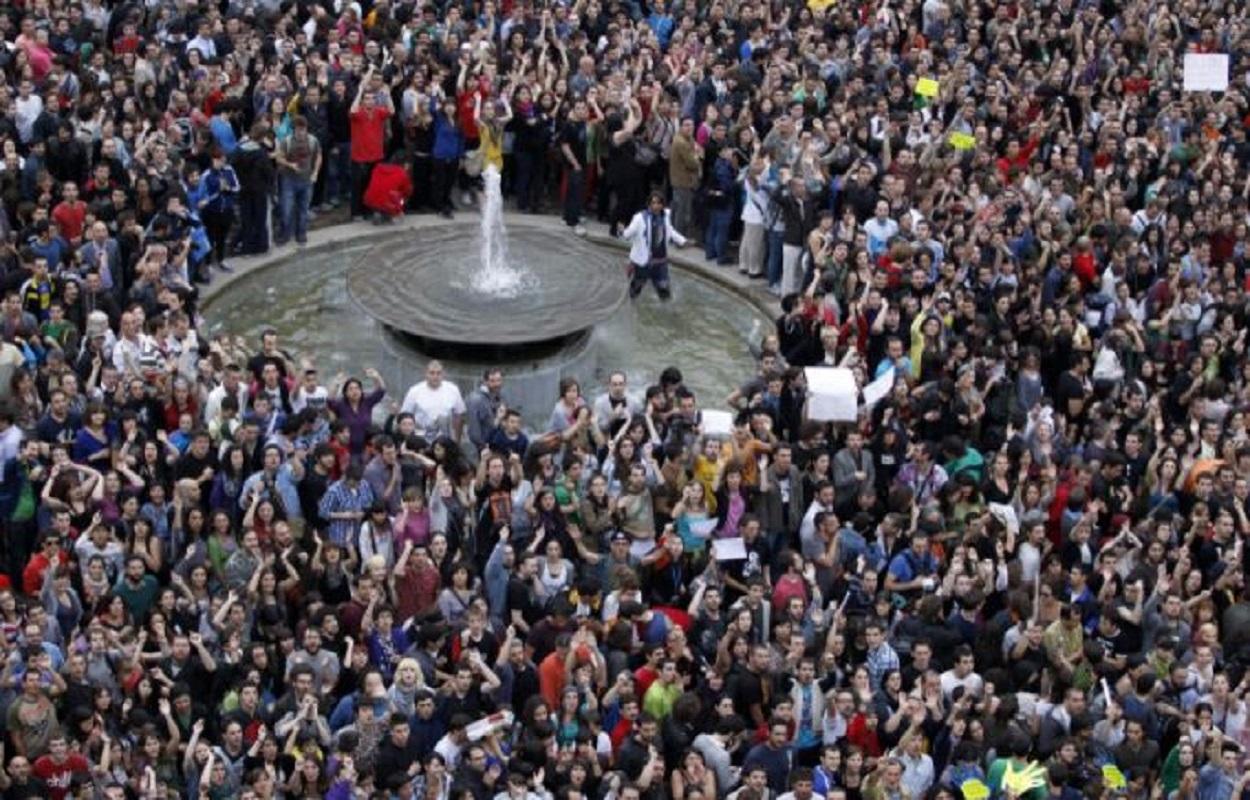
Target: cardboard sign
column 833, row 395
column 821, row 5
column 1206, row 72
column 927, row 87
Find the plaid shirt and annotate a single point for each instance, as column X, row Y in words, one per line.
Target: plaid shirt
column 879, row 662
column 339, row 498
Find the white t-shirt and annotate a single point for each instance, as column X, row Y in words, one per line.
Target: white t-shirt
column 433, row 409
column 971, row 682
column 304, row 398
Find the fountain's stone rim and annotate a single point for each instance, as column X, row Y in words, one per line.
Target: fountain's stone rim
column 584, row 288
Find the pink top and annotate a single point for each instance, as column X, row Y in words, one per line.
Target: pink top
column 416, row 529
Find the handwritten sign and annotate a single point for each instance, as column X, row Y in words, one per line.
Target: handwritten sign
column 927, row 87
column 1206, row 72
column 821, row 5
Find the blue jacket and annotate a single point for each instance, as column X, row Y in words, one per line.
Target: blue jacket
column 662, row 27
column 223, row 133
column 448, row 143
column 219, row 187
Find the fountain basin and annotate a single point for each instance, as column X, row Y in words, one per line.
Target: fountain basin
column 304, row 296
column 421, row 286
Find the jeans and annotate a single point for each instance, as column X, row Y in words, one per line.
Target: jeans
column 295, row 193
column 574, row 189
column 657, row 273
column 716, row 237
column 338, row 168
column 773, row 260
column 683, row 212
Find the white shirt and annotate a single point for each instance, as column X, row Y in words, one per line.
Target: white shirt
column 303, row 398
column 450, row 751
column 880, row 233
column 971, row 682
column 10, row 444
column 433, row 409
column 28, row 111
column 212, row 406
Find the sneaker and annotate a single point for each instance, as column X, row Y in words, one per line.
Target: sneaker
column 663, row 292
column 580, row 230
column 224, row 267
column 774, row 290
column 301, row 242
column 446, row 214
column 466, row 198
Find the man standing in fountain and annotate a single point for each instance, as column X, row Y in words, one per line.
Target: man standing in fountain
column 649, row 234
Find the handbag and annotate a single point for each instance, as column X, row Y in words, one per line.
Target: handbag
column 473, row 162
column 645, row 154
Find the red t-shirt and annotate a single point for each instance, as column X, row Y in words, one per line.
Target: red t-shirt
column 70, row 217
column 368, row 130
column 58, row 776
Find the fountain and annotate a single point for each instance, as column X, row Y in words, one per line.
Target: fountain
column 497, row 275
column 532, row 298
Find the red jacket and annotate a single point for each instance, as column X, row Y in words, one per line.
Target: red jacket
column 32, row 576
column 389, row 188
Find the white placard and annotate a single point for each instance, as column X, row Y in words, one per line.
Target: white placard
column 729, row 549
column 878, row 389
column 718, row 423
column 703, row 528
column 1206, row 72
column 832, row 394
column 488, row 725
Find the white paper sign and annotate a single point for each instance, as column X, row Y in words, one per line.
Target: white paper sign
column 832, row 394
column 878, row 389
column 1206, row 72
column 487, row 725
column 718, row 423
column 729, row 549
column 703, row 528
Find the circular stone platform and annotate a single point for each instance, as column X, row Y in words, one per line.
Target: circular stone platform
column 420, row 286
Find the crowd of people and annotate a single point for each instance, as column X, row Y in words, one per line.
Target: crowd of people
column 1021, row 573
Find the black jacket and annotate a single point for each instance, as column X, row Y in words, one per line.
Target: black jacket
column 799, row 218
column 254, row 167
